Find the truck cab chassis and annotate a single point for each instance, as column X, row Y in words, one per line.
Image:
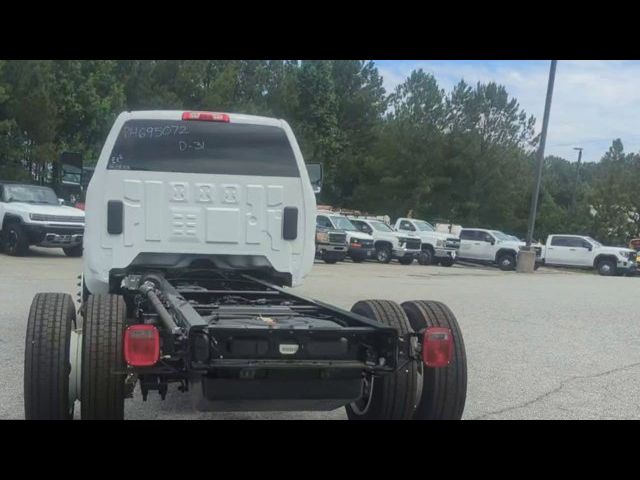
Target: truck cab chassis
column 186, row 295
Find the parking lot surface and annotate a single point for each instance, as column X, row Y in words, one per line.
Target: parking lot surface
column 549, row 345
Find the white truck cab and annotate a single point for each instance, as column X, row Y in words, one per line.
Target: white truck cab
column 360, row 244
column 388, row 243
column 491, row 246
column 437, row 247
column 585, row 252
column 171, row 189
column 32, row 215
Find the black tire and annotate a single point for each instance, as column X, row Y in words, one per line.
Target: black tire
column 73, row 251
column 357, row 259
column 444, row 390
column 383, row 254
column 46, row 360
column 330, row 261
column 607, row 268
column 447, row 262
column 14, row 240
column 426, row 257
column 506, row 261
column 102, row 389
column 392, row 396
column 406, row 260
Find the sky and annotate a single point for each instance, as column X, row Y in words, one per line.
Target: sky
column 594, row 101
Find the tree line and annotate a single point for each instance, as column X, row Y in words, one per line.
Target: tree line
column 464, row 155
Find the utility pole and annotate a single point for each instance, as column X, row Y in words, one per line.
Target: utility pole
column 543, row 139
column 575, row 186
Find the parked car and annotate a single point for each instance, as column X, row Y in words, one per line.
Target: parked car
column 33, row 215
column 331, row 244
column 436, row 247
column 360, row 245
column 388, row 243
column 493, row 247
column 585, row 252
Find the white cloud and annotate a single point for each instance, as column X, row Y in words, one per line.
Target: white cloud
column 594, row 102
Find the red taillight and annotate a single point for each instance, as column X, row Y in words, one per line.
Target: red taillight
column 206, row 116
column 437, row 347
column 141, row 345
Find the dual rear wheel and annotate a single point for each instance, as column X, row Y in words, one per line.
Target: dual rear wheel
column 50, row 384
column 414, row 391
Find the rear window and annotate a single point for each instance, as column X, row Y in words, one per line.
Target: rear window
column 203, row 147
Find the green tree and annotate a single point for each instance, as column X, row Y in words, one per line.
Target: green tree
column 360, row 104
column 405, row 166
column 35, row 111
column 88, row 98
column 490, row 142
column 10, row 165
column 614, row 207
column 316, row 120
column 466, row 155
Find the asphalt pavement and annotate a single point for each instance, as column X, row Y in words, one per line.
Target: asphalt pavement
column 549, row 345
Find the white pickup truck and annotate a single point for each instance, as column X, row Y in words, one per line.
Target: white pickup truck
column 388, row 243
column 437, row 247
column 360, row 245
column 585, row 252
column 492, row 246
column 32, row 215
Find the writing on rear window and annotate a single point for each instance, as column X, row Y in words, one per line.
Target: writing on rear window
column 203, row 147
column 151, row 132
column 194, row 145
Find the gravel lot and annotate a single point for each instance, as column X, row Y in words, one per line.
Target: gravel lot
column 549, row 345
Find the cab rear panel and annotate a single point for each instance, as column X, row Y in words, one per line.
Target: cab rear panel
column 163, row 185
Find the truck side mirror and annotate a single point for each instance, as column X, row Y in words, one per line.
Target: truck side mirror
column 315, row 176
